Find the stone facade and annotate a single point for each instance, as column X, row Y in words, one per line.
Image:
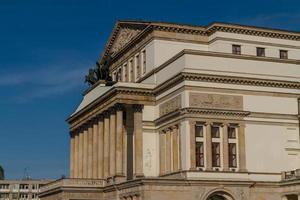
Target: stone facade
column 188, row 118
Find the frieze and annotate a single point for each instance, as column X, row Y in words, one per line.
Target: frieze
column 170, row 106
column 216, row 101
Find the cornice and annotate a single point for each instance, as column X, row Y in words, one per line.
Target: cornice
column 186, row 76
column 114, row 92
column 218, row 112
column 148, row 27
column 189, row 112
column 255, row 31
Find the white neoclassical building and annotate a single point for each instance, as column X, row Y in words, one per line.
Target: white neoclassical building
column 193, row 113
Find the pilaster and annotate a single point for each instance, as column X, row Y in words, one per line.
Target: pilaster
column 192, row 145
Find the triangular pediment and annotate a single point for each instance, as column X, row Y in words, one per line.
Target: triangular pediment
column 123, row 34
column 124, row 37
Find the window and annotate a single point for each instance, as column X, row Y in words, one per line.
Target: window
column 125, row 72
column 236, row 49
column 4, row 186
column 144, row 61
column 119, row 72
column 232, row 155
column 137, row 64
column 24, row 186
column 15, row 196
column 114, row 76
column 283, row 54
column 215, row 131
column 199, row 131
column 23, row 196
column 199, row 154
column 131, row 70
column 260, row 52
column 4, row 195
column 216, row 154
column 231, row 132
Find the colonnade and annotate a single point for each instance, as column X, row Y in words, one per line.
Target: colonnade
column 169, row 150
column 99, row 147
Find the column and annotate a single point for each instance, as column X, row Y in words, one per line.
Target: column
column 241, row 147
column 175, row 148
column 80, row 154
column 225, row 148
column 124, row 150
column 168, row 150
column 162, row 152
column 90, row 150
column 192, row 145
column 138, row 136
column 112, row 142
column 100, row 147
column 72, row 154
column 95, row 148
column 76, row 158
column 208, row 146
column 106, row 145
column 119, row 140
column 85, row 153
column 129, row 143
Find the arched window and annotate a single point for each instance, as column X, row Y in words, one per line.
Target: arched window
column 220, row 196
column 216, row 197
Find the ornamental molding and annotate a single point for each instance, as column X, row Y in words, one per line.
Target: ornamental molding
column 216, row 112
column 186, row 76
column 201, row 112
column 241, row 81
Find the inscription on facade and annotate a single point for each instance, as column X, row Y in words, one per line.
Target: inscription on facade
column 170, row 106
column 216, row 101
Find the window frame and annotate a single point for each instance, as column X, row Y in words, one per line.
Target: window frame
column 232, row 156
column 260, row 52
column 216, row 154
column 286, row 54
column 235, row 50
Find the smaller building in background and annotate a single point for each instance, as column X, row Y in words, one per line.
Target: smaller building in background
column 21, row 189
column 1, row 173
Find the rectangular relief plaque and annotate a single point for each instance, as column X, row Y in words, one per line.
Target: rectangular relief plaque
column 170, row 105
column 216, row 101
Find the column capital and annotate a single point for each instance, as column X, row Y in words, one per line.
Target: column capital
column 137, row 107
column 94, row 120
column 112, row 110
column 100, row 116
column 106, row 114
column 119, row 107
column 174, row 127
column 192, row 123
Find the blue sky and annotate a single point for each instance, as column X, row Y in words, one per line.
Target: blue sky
column 46, row 47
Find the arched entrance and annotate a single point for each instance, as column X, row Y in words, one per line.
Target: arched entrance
column 219, row 196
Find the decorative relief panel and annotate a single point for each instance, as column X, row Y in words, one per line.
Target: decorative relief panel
column 123, row 38
column 170, row 106
column 216, row 101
